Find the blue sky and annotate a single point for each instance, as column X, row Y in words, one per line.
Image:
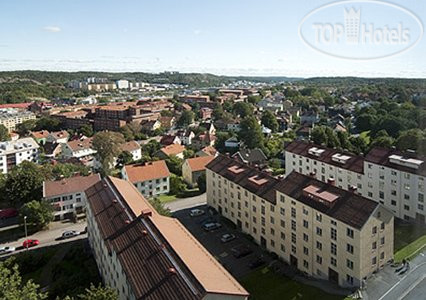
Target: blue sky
column 230, row 37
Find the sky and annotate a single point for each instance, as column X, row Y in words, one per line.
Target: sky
column 224, row 37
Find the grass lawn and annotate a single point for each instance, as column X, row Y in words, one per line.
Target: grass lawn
column 265, row 284
column 166, row 198
column 408, row 239
column 366, row 136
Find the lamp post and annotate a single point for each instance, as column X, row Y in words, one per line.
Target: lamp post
column 26, row 234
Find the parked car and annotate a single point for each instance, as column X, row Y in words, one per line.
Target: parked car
column 8, row 213
column 259, row 261
column 69, row 234
column 206, row 220
column 227, row 237
column 211, row 226
column 5, row 250
column 30, row 243
column 196, row 212
column 241, row 251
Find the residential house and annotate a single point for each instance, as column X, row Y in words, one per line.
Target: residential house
column 169, row 150
column 170, row 139
column 133, row 148
column 151, row 179
column 193, row 168
column 186, row 136
column 40, row 136
column 52, row 150
column 67, row 195
column 251, row 157
column 167, row 122
column 58, row 137
column 207, row 151
column 80, row 149
column 206, row 113
column 232, row 142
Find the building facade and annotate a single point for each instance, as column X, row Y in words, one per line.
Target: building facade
column 390, row 177
column 10, row 118
column 322, row 230
column 12, row 153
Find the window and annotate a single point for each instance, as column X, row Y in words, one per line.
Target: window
column 282, row 248
column 421, row 198
column 374, row 245
column 272, row 220
column 305, row 251
column 333, row 262
column 293, row 212
column 350, row 264
column 406, row 207
column 333, row 248
column 333, row 233
column 272, row 231
column 282, row 235
column 305, row 264
column 333, row 222
column 293, row 225
column 305, row 224
column 282, row 199
column 305, row 237
column 262, row 221
column 349, row 279
column 319, row 246
column 305, row 211
column 293, row 237
column 349, row 233
column 272, row 243
column 374, row 230
column 262, row 210
column 319, row 217
column 350, row 248
column 319, row 259
column 282, row 211
column 382, row 226
column 374, row 260
column 381, row 195
column 382, row 241
column 293, row 249
column 282, row 223
column 420, row 206
column 319, row 231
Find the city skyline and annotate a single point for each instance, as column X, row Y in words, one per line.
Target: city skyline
column 235, row 38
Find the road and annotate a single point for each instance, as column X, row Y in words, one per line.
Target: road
column 186, row 203
column 48, row 237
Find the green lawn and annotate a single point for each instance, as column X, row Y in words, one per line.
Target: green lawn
column 408, row 240
column 166, row 198
column 265, row 284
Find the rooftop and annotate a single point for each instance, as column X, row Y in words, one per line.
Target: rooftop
column 130, row 146
column 199, row 163
column 172, row 149
column 148, row 171
column 69, row 185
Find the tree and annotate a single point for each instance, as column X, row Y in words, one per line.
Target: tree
column 242, row 109
column 268, row 120
column 201, row 182
column 365, row 122
column 188, row 153
column 23, row 184
column 99, row 293
column 254, row 99
column 159, row 207
column 12, row 285
column 48, row 123
column 86, row 130
column 221, row 137
column 4, row 133
column 174, row 164
column 26, row 127
column 318, row 135
column 177, row 185
column 108, row 146
column 251, row 132
column 359, row 145
column 151, row 147
column 382, row 139
column 186, row 118
column 38, row 213
column 125, row 158
column 414, row 139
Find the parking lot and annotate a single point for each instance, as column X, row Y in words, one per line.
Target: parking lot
column 211, row 240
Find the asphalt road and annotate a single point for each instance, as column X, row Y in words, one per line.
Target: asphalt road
column 50, row 237
column 186, row 203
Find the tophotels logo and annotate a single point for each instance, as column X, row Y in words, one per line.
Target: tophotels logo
column 361, row 29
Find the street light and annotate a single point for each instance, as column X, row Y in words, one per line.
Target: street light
column 26, row 235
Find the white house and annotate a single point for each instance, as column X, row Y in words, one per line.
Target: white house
column 12, row 153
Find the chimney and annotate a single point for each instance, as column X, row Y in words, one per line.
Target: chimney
column 331, row 181
column 172, row 271
column 146, row 212
column 352, row 189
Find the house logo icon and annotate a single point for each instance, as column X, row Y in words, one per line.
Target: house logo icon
column 352, row 19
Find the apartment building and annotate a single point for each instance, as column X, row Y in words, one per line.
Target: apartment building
column 324, row 231
column 67, row 195
column 10, row 118
column 143, row 255
column 388, row 176
column 12, row 153
column 151, row 179
column 80, row 149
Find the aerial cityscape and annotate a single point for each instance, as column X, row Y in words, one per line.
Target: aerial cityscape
column 212, row 150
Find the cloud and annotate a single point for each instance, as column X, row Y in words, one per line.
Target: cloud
column 197, row 31
column 52, row 29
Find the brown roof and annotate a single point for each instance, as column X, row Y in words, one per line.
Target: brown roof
column 210, row 150
column 42, row 134
column 80, row 144
column 60, row 134
column 160, row 258
column 172, row 149
column 199, row 163
column 168, row 139
column 380, row 156
column 69, row 185
column 166, row 121
column 148, row 171
column 347, row 207
column 130, row 146
column 73, row 114
column 354, row 164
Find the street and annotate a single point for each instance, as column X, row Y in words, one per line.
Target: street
column 185, row 203
column 49, row 237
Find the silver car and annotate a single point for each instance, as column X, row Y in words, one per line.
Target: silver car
column 5, row 250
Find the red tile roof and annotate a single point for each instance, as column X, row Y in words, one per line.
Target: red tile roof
column 42, row 134
column 148, row 171
column 80, row 144
column 199, row 163
column 69, row 185
column 172, row 149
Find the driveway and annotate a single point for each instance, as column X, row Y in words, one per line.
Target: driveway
column 389, row 284
column 49, row 237
column 186, row 203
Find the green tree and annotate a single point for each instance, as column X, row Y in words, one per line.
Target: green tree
column 174, row 164
column 382, row 139
column 251, row 133
column 159, row 207
column 26, row 127
column 48, row 123
column 99, row 293
column 221, row 137
column 108, row 146
column 359, row 145
column 186, row 118
column 39, row 213
column 151, row 147
column 4, row 133
column 12, row 285
column 243, row 109
column 201, row 182
column 414, row 139
column 253, row 99
column 188, row 153
column 177, row 185
column 86, row 130
column 319, row 136
column 268, row 120
column 125, row 158
column 365, row 122
column 23, row 184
